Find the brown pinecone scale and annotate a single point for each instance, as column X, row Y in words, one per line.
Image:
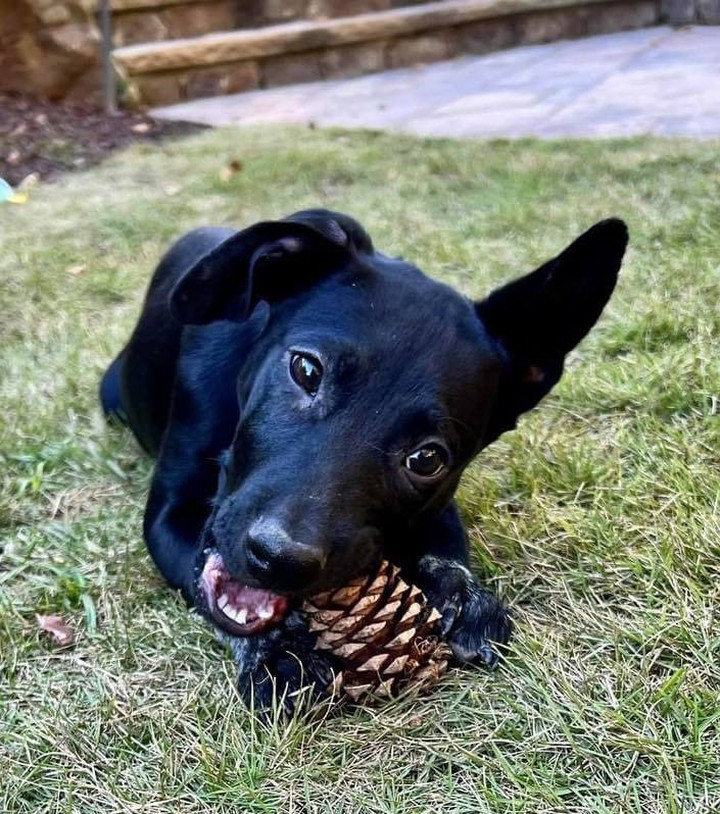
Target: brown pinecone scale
column 385, row 633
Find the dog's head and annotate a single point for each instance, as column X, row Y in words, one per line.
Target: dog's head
column 367, row 389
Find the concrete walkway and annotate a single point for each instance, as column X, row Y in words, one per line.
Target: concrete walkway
column 656, row 80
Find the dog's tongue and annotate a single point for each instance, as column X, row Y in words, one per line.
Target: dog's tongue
column 237, row 609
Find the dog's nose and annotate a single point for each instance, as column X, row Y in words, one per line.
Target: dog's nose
column 279, row 562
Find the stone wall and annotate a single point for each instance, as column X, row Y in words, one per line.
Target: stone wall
column 49, row 48
column 242, row 61
column 687, row 12
column 138, row 21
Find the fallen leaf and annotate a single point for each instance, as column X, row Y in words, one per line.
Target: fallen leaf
column 74, row 271
column 230, row 169
column 56, row 627
column 172, row 189
column 13, row 157
column 141, row 127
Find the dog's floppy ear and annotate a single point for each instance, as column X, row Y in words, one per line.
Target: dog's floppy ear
column 538, row 318
column 268, row 261
column 336, row 227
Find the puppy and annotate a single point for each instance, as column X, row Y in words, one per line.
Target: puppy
column 312, row 404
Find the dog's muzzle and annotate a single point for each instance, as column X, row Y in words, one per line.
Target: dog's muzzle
column 235, row 608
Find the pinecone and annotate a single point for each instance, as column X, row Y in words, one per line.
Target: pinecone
column 384, row 632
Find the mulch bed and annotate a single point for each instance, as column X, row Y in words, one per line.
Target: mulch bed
column 50, row 139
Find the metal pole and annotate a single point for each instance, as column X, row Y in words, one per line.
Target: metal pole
column 108, row 72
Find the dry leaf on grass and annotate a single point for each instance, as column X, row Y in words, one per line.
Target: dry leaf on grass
column 230, row 169
column 55, row 627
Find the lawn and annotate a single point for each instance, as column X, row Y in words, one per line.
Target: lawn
column 598, row 518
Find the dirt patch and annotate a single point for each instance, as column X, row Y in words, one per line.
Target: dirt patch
column 49, row 139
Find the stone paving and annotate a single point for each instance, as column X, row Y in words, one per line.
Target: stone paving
column 655, row 80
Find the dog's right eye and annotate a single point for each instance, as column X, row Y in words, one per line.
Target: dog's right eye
column 428, row 462
column 306, row 372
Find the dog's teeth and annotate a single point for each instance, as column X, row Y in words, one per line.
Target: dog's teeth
column 223, row 601
column 231, row 613
column 240, row 616
column 265, row 613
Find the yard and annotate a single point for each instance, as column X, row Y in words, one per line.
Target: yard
column 598, row 518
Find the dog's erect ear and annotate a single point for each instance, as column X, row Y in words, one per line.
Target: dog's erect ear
column 538, row 318
column 268, row 261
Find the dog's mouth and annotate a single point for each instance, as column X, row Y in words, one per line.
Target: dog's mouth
column 236, row 608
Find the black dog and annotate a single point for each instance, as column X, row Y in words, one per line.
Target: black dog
column 312, row 404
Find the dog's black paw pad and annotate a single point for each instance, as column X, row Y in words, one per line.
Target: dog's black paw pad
column 480, row 629
column 474, row 622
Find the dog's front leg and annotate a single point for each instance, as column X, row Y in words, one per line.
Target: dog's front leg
column 175, row 524
column 472, row 618
column 281, row 666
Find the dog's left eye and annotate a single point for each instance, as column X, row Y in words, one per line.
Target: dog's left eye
column 428, row 462
column 306, row 372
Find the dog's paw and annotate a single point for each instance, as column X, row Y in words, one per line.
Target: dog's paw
column 473, row 620
column 281, row 668
column 288, row 681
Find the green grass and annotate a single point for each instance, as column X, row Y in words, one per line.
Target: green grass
column 598, row 518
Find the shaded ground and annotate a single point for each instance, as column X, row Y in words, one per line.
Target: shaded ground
column 46, row 138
